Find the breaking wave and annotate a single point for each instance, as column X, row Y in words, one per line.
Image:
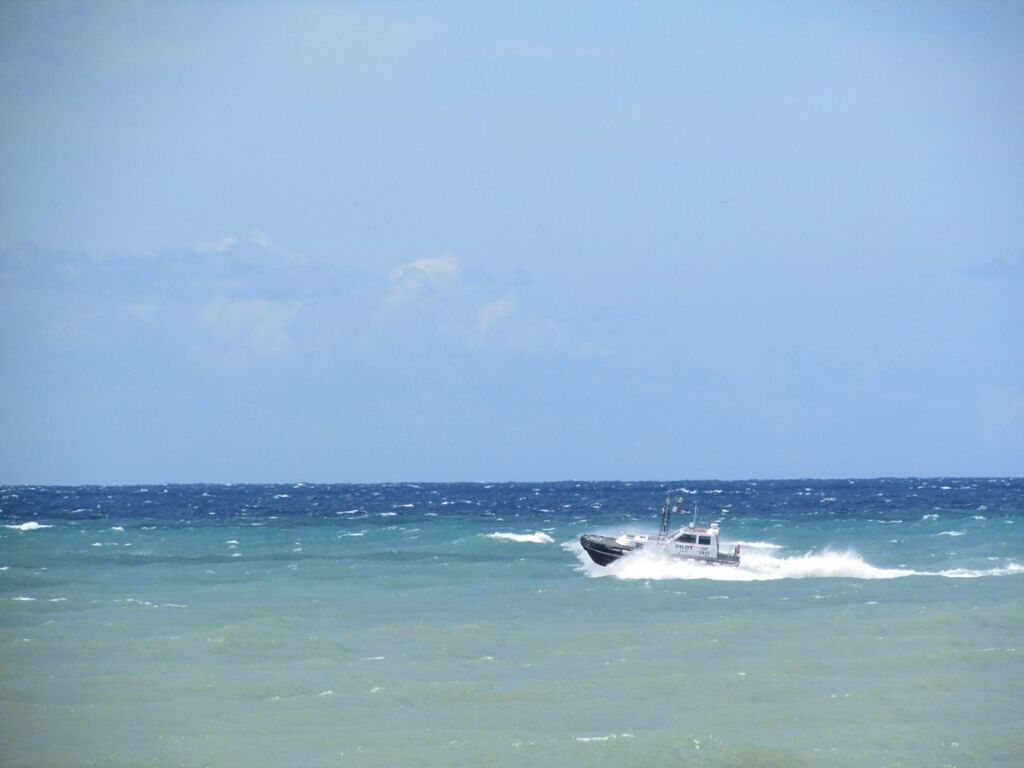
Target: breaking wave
column 764, row 566
column 529, row 538
column 31, row 525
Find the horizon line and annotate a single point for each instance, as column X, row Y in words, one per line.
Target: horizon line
column 301, row 483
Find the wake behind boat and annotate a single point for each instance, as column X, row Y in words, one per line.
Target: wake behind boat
column 686, row 543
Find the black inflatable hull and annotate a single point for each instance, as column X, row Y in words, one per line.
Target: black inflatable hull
column 602, row 549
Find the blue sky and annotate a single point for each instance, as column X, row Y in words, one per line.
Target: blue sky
column 258, row 242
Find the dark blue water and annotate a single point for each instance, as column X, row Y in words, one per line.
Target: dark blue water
column 763, row 499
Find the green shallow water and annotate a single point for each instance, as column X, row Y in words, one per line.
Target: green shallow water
column 426, row 643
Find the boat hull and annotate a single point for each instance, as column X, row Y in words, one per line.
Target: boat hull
column 605, row 550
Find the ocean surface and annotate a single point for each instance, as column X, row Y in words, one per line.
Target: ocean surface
column 870, row 623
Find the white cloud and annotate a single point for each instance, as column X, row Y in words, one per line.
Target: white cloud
column 412, row 280
column 223, row 245
column 540, row 336
column 257, row 244
column 260, row 239
column 433, row 301
column 257, row 324
column 437, row 269
column 492, row 312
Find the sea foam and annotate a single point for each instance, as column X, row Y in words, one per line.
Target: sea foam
column 31, row 525
column 538, row 537
column 763, row 566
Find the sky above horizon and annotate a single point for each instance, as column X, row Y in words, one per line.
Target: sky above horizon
column 366, row 242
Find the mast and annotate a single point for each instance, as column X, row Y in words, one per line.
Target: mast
column 666, row 512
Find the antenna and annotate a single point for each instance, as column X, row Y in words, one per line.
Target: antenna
column 666, row 510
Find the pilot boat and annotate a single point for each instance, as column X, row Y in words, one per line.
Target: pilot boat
column 686, row 543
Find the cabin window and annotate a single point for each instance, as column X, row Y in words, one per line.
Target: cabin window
column 687, row 538
column 705, row 540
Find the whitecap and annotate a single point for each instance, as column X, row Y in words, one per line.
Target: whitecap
column 31, row 525
column 1011, row 569
column 609, row 737
column 950, row 533
column 539, row 537
column 23, row 599
column 754, row 566
column 758, row 566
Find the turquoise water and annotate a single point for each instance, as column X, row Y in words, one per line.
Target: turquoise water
column 871, row 623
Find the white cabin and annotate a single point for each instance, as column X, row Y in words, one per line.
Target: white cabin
column 700, row 543
column 688, row 542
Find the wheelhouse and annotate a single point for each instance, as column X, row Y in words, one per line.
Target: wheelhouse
column 696, row 542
